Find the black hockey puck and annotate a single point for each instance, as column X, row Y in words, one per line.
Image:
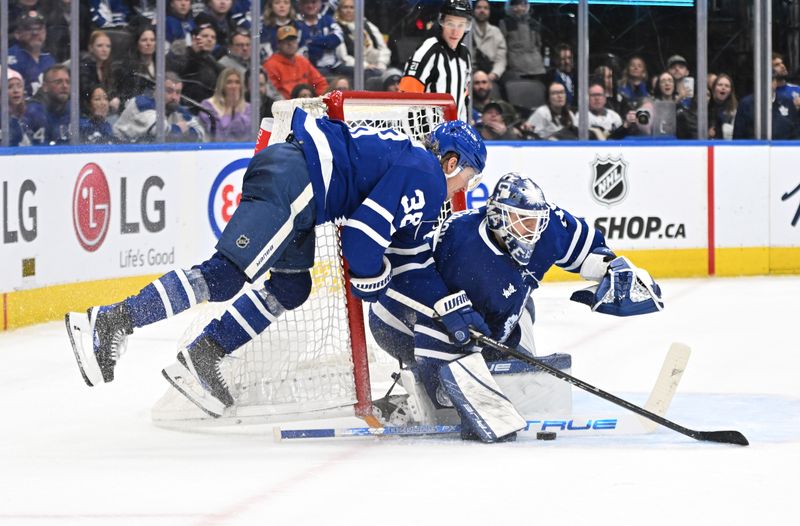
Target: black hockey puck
column 546, row 435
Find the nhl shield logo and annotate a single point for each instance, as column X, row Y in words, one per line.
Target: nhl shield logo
column 609, row 180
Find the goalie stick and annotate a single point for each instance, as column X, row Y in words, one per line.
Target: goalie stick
column 658, row 402
column 725, row 437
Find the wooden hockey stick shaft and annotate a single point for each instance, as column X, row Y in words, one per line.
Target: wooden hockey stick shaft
column 726, row 437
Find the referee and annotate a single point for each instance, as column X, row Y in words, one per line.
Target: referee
column 442, row 63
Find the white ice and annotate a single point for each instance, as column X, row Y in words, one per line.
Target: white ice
column 70, row 454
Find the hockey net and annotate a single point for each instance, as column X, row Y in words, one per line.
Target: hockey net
column 315, row 361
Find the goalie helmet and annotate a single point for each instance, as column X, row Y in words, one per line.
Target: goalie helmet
column 518, row 213
column 460, row 138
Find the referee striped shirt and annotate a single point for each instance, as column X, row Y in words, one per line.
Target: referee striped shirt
column 435, row 68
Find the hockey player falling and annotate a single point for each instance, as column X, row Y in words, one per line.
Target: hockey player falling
column 497, row 256
column 388, row 188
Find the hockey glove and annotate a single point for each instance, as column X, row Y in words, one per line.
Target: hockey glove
column 370, row 289
column 625, row 290
column 456, row 314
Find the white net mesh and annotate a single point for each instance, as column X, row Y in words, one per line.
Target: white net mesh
column 302, row 364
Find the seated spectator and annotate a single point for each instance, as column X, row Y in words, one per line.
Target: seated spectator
column 47, row 113
column 523, row 42
column 489, row 44
column 665, row 88
column 638, row 121
column 784, row 89
column 137, row 73
column 109, row 13
column 57, row 19
column 180, row 22
column 138, row 121
column 605, row 76
column 722, row 108
column 218, row 13
column 228, row 108
column 633, row 85
column 390, row 80
column 602, row 120
column 266, row 91
column 198, row 69
column 95, row 68
column 18, row 135
column 785, row 117
column 481, row 92
column 553, row 120
column 684, row 84
column 285, row 69
column 302, row 91
column 320, row 35
column 341, row 83
column 277, row 13
column 376, row 54
column 238, row 55
column 27, row 56
column 497, row 122
column 564, row 73
column 94, row 126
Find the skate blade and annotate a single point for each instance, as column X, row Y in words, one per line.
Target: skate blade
column 185, row 383
column 79, row 330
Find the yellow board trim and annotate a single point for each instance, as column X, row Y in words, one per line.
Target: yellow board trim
column 26, row 307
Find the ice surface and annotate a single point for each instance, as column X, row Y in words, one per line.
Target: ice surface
column 70, row 454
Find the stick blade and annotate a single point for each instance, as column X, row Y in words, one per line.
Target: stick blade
column 725, row 437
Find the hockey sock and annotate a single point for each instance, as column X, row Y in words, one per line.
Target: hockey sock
column 172, row 293
column 250, row 314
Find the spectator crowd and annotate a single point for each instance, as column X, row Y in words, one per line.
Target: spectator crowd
column 522, row 88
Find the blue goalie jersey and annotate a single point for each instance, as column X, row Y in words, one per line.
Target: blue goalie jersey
column 469, row 258
column 385, row 189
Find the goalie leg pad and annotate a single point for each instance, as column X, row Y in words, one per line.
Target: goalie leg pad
column 484, row 409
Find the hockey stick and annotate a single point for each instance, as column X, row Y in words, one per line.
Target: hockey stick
column 725, row 437
column 572, row 425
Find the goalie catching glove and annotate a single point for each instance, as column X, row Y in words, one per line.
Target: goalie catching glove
column 370, row 289
column 457, row 315
column 624, row 290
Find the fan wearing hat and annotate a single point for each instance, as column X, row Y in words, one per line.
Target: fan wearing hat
column 286, row 68
column 16, row 106
column 497, row 120
column 684, row 84
column 27, row 56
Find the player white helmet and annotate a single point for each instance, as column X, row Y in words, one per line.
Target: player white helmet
column 518, row 213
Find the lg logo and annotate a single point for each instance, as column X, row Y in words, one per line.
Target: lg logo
column 91, row 207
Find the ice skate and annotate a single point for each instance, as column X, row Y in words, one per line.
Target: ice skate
column 198, row 377
column 98, row 338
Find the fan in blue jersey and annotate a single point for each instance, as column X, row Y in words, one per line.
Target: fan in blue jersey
column 386, row 191
column 497, row 256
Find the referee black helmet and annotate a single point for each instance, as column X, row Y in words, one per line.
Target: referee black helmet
column 461, row 8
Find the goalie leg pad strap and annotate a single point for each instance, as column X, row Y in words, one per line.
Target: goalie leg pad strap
column 478, row 399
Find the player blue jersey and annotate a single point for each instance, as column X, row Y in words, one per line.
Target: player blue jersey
column 30, row 69
column 43, row 126
column 387, row 188
column 469, row 258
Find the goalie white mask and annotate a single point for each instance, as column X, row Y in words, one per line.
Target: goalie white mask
column 517, row 213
